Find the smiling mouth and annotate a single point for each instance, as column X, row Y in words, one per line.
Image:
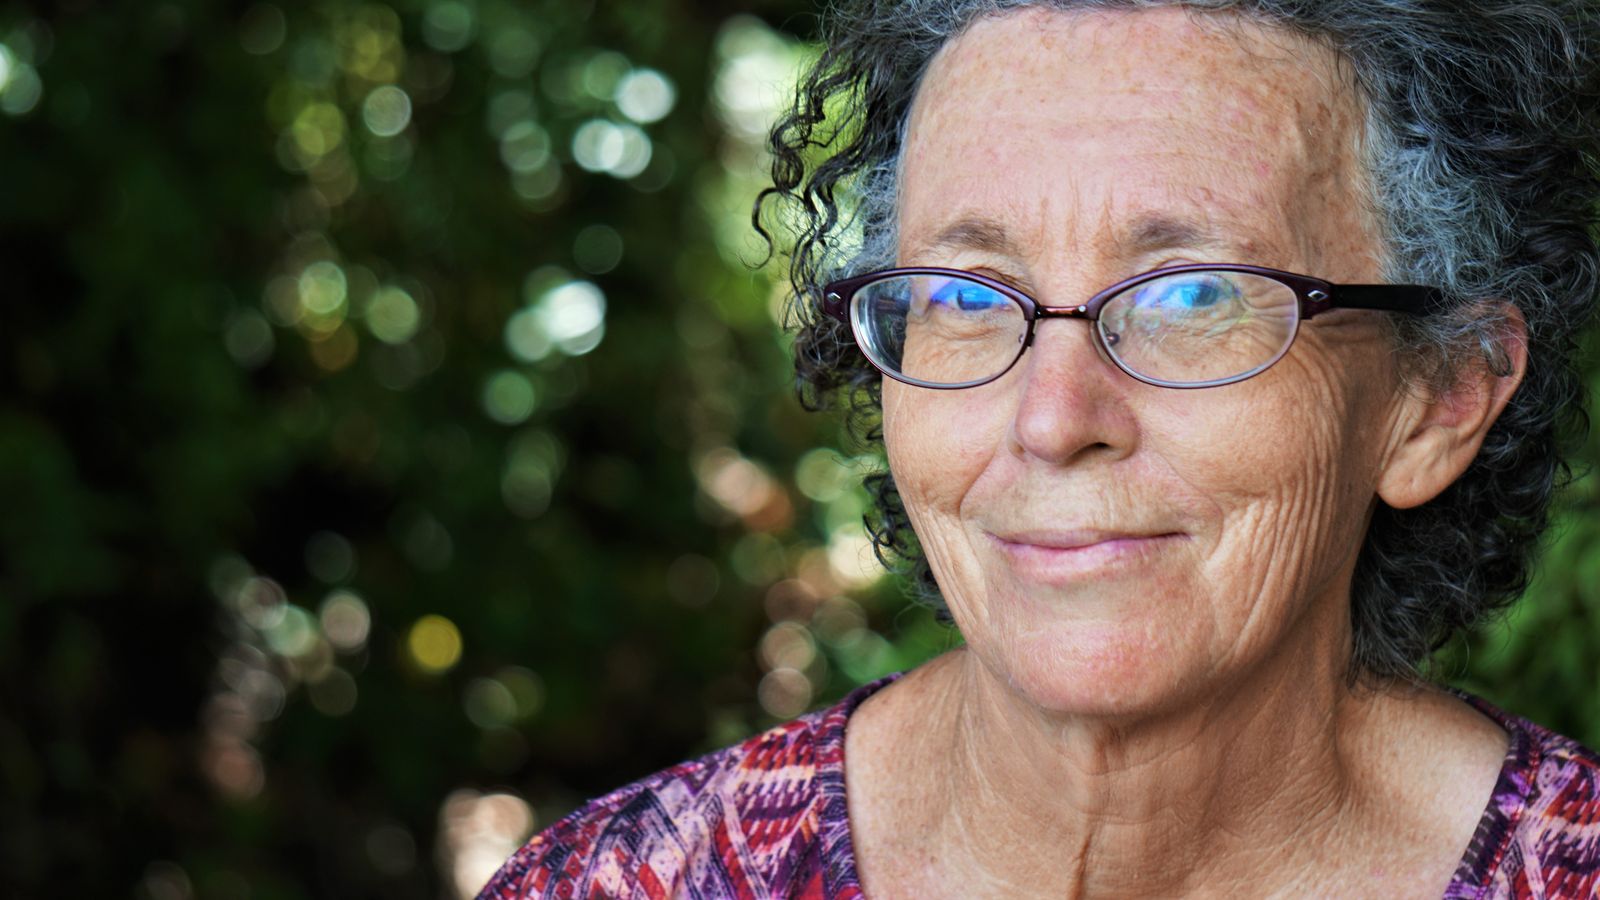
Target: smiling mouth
column 1067, row 555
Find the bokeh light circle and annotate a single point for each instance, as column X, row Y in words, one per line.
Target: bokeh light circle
column 645, row 96
column 448, row 26
column 323, row 288
column 525, row 336
column 597, row 249
column 488, row 703
column 600, row 145
column 22, row 91
column 573, row 315
column 509, row 397
column 386, row 111
column 393, row 315
column 524, row 147
column 345, row 621
column 434, row 644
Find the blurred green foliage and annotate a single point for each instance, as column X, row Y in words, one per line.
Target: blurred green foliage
column 1542, row 660
column 396, row 441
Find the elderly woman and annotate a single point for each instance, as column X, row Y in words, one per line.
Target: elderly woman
column 1221, row 351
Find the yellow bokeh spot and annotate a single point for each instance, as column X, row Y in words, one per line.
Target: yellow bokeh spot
column 370, row 47
column 434, row 644
column 317, row 130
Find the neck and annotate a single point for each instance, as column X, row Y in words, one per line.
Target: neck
column 1212, row 789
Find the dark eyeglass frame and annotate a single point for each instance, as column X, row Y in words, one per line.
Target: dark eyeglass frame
column 1315, row 295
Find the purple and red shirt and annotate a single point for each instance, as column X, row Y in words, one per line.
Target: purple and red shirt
column 766, row 818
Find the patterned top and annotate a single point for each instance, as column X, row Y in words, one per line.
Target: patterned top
column 767, row 818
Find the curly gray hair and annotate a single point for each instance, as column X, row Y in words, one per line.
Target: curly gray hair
column 1481, row 139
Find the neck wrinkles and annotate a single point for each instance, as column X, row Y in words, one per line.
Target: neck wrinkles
column 1212, row 791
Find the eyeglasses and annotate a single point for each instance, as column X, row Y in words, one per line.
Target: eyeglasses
column 1189, row 326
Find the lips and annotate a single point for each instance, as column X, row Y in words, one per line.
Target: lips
column 1057, row 555
column 1072, row 539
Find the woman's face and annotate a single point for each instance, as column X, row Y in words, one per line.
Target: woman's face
column 1107, row 546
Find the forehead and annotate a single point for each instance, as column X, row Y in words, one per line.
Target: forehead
column 1091, row 126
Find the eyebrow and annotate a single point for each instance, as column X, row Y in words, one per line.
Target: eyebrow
column 975, row 233
column 1148, row 233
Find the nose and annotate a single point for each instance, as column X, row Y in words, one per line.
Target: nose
column 1073, row 404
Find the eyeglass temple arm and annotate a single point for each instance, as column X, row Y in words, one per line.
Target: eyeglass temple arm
column 833, row 304
column 1412, row 299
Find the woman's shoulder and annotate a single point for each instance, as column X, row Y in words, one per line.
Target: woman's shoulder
column 707, row 819
column 746, row 820
column 1540, row 835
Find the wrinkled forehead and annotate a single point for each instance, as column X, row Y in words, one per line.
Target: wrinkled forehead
column 1153, row 108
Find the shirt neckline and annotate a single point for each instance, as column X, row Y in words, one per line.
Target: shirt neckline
column 1513, row 790
column 1482, row 858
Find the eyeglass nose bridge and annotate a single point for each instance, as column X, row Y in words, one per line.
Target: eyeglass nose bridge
column 1042, row 312
column 1082, row 311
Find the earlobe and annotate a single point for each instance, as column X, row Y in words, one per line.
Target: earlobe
column 1443, row 430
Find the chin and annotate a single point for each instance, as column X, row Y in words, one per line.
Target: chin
column 1108, row 672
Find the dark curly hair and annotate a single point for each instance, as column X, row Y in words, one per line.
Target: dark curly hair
column 1482, row 130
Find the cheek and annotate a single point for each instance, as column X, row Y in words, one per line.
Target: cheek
column 1284, row 467
column 938, row 443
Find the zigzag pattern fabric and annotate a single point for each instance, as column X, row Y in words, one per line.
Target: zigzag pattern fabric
column 1540, row 836
column 766, row 818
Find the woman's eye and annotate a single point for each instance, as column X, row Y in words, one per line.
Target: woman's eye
column 1189, row 293
column 969, row 297
column 977, row 298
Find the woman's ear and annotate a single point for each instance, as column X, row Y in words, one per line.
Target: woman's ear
column 1442, row 431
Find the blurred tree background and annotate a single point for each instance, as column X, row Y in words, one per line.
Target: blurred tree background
column 397, row 443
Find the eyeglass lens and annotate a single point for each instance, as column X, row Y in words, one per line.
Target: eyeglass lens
column 1182, row 328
